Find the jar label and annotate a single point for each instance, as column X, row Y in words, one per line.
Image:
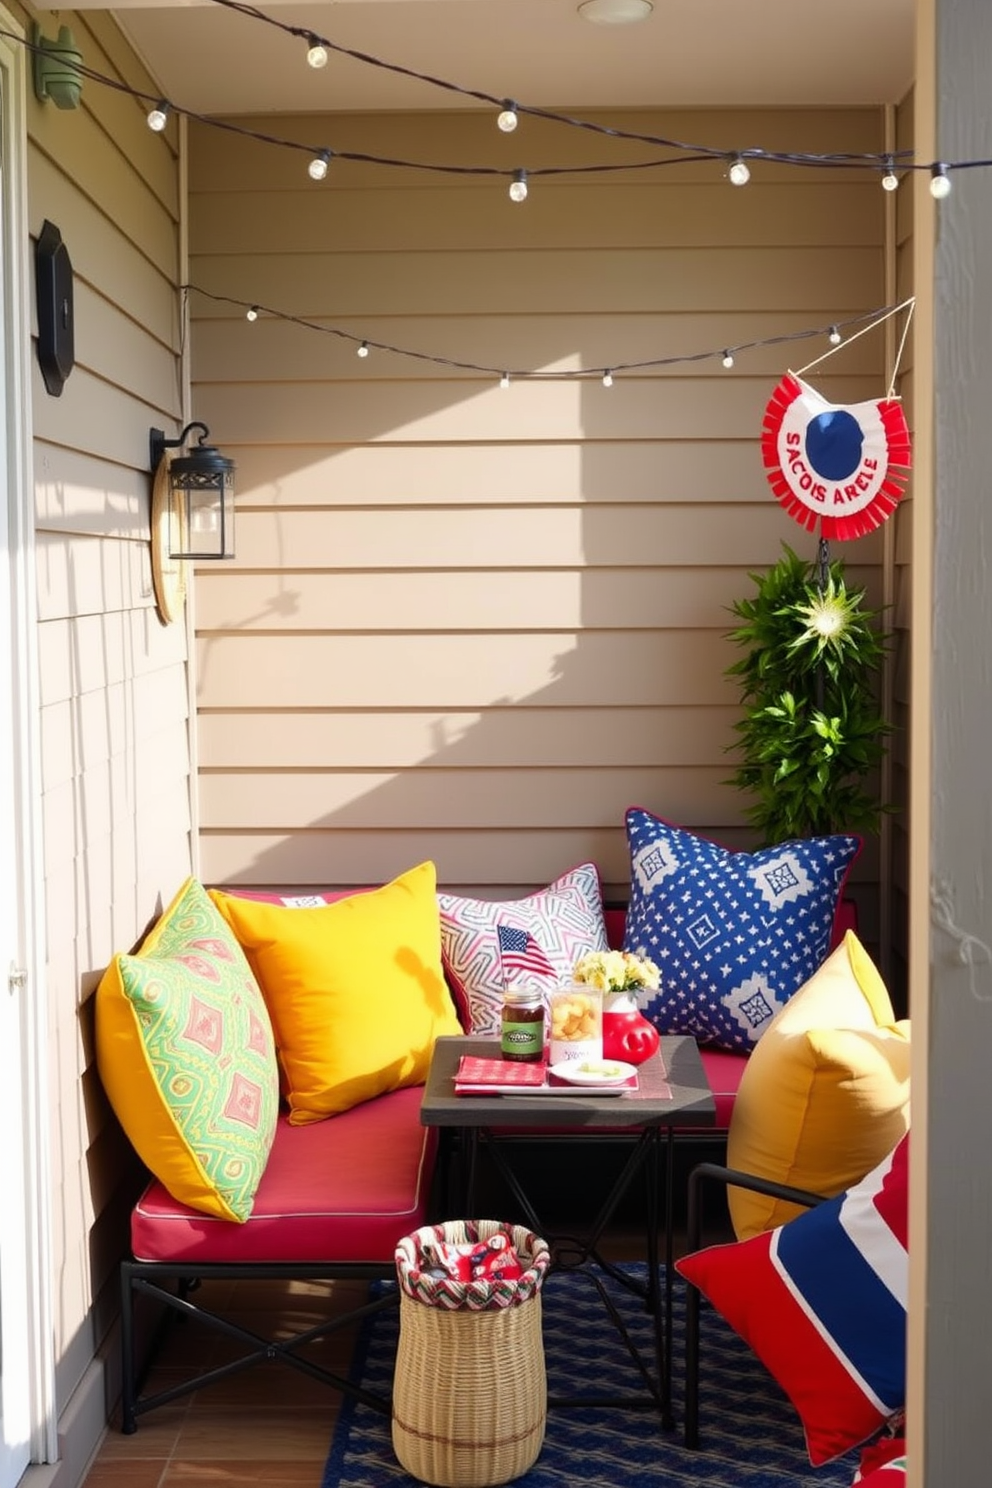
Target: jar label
column 524, row 1040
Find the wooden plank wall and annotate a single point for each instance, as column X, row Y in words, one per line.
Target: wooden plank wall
column 114, row 691
column 475, row 624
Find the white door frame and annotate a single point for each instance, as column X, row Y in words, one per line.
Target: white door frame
column 29, row 1159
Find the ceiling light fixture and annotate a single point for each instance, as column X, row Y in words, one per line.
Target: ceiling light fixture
column 615, row 12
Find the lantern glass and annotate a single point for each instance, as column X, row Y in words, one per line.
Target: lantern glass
column 201, row 507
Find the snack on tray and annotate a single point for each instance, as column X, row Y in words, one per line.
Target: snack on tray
column 576, row 1023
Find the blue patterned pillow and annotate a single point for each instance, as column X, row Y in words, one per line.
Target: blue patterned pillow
column 734, row 934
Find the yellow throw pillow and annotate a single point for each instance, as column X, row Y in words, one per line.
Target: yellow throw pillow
column 355, row 989
column 825, row 1094
column 186, row 1055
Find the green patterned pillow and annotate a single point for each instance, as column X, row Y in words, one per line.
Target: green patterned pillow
column 186, row 1055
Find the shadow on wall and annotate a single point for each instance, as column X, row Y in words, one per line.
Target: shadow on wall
column 504, row 647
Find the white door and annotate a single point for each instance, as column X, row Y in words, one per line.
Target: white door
column 14, row 1417
column 26, row 1394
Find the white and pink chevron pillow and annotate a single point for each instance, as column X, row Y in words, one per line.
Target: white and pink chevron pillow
column 565, row 920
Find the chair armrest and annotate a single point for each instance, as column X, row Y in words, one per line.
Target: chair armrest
column 730, row 1178
column 736, row 1178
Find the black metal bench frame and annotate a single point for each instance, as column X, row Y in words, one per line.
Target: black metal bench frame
column 170, row 1284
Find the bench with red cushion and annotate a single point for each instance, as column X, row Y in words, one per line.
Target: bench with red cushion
column 335, row 1198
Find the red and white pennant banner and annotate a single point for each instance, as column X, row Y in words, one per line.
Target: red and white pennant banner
column 843, row 467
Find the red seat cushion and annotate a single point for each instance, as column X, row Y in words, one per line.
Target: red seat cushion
column 341, row 1190
column 724, row 1071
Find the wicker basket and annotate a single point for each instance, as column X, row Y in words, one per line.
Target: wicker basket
column 469, row 1392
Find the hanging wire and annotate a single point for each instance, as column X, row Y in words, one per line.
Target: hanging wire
column 686, row 152
column 881, row 316
column 872, row 161
column 874, row 317
column 900, row 349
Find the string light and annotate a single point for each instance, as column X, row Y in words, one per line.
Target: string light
column 158, row 116
column 363, row 350
column 739, row 172
column 317, row 169
column 728, row 359
column 855, row 325
column 940, row 181
column 888, row 162
column 251, row 313
column 507, row 119
column 316, row 52
column 835, row 337
column 518, row 186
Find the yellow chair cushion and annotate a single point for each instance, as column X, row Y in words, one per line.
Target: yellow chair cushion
column 355, row 989
column 186, row 1055
column 825, row 1094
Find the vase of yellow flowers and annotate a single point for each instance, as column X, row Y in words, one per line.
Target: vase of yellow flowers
column 620, row 976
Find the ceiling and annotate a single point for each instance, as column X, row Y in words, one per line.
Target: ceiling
column 211, row 59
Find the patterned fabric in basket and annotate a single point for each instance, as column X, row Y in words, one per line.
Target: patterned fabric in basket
column 423, row 1273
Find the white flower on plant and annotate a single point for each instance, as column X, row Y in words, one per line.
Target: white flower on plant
column 827, row 619
column 616, row 971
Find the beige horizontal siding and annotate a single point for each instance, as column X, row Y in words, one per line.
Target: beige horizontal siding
column 528, row 539
column 223, row 163
column 484, row 862
column 395, row 740
column 446, row 410
column 436, row 799
column 471, row 623
column 625, row 281
column 234, row 349
column 632, row 596
column 569, row 472
column 460, row 671
column 590, row 213
column 101, row 259
column 116, row 807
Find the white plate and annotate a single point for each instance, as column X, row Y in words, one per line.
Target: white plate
column 602, row 1072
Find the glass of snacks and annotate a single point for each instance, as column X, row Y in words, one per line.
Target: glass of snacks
column 575, row 1023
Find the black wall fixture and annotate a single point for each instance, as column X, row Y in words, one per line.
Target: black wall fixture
column 53, row 288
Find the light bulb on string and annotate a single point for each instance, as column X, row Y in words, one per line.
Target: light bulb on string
column 518, row 186
column 316, row 52
column 504, row 381
column 251, row 313
column 890, row 181
column 607, row 378
column 728, row 359
column 940, row 181
column 835, row 337
column 739, row 173
column 507, row 119
column 158, row 116
column 363, row 350
column 317, row 169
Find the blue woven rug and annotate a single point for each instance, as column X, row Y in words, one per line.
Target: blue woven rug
column 750, row 1434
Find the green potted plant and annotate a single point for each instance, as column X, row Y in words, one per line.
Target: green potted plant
column 812, row 736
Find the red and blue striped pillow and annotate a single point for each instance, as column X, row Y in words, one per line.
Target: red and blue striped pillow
column 822, row 1301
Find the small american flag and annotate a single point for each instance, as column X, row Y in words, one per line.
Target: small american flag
column 521, row 954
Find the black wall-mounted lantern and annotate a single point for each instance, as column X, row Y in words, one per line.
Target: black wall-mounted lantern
column 198, row 489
